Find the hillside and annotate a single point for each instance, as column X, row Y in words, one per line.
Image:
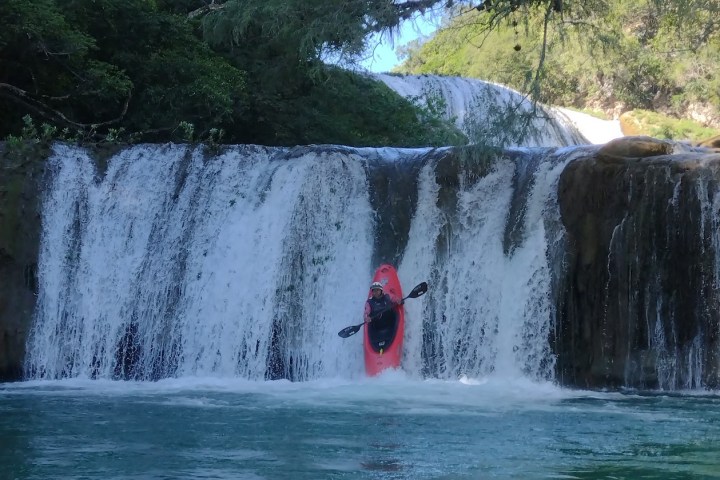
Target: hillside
column 632, row 56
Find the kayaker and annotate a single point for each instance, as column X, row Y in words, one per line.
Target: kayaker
column 379, row 307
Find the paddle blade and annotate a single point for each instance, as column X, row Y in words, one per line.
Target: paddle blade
column 351, row 330
column 418, row 291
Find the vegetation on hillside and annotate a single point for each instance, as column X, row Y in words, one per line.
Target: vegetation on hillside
column 262, row 71
column 614, row 56
column 247, row 71
column 644, row 122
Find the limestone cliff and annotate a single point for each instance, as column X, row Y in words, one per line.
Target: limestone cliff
column 642, row 280
column 21, row 172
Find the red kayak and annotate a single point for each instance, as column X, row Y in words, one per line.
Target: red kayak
column 383, row 340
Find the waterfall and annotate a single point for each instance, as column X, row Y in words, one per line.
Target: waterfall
column 177, row 261
column 174, row 261
column 487, row 112
column 492, row 306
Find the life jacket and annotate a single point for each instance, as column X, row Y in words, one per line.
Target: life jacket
column 382, row 304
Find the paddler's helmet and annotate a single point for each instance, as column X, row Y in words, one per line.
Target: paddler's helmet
column 376, row 285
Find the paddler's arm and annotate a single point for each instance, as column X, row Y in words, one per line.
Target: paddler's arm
column 395, row 299
column 367, row 313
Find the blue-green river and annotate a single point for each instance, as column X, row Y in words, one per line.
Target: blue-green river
column 388, row 427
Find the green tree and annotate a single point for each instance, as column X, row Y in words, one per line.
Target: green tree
column 47, row 65
column 94, row 64
column 650, row 54
column 144, row 67
column 287, row 48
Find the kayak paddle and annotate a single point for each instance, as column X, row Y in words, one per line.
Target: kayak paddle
column 353, row 329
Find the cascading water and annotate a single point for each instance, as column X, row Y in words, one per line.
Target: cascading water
column 491, row 309
column 246, row 264
column 174, row 262
column 487, row 112
column 171, row 265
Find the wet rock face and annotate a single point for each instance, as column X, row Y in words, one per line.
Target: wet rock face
column 640, row 307
column 20, row 176
column 712, row 142
column 623, row 149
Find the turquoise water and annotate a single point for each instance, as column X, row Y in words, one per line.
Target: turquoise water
column 391, row 427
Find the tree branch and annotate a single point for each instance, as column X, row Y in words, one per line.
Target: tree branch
column 24, row 98
column 211, row 7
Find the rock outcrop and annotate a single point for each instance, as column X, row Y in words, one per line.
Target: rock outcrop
column 21, row 171
column 642, row 279
column 712, row 142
